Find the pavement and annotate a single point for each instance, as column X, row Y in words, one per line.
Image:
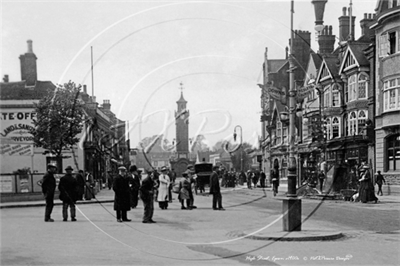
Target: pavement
column 310, row 231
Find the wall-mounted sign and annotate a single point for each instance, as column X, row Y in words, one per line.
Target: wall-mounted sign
column 304, row 91
column 16, row 149
column 17, row 125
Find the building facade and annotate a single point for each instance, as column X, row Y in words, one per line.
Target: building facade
column 386, row 62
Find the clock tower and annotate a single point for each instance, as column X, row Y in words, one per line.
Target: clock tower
column 182, row 127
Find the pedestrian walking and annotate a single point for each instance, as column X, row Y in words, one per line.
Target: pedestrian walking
column 275, row 180
column 68, row 188
column 321, row 177
column 366, row 192
column 262, row 179
column 48, row 188
column 80, row 179
column 134, row 185
column 122, row 195
column 89, row 185
column 147, row 195
column 249, row 179
column 192, row 178
column 215, row 190
column 172, row 177
column 109, row 179
column 184, row 188
column 379, row 181
column 255, row 179
column 163, row 189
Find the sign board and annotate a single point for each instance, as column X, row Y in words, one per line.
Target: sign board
column 303, row 92
column 6, row 183
column 16, row 149
column 16, row 125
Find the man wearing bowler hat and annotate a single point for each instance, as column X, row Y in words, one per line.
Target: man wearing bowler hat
column 122, row 196
column 48, row 188
column 68, row 188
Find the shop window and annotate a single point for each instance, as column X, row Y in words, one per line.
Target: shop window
column 361, row 123
column 284, row 167
column 335, row 127
column 353, row 124
column 393, row 153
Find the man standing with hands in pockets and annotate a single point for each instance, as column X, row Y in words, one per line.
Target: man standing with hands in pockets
column 215, row 190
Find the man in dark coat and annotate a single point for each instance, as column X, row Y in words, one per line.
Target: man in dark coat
column 80, row 178
column 122, row 195
column 147, row 196
column 134, row 185
column 48, row 188
column 262, row 179
column 68, row 193
column 215, row 190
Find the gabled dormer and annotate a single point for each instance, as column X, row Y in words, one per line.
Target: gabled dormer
column 354, row 59
column 324, row 73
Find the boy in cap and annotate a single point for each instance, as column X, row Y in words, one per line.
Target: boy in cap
column 48, row 188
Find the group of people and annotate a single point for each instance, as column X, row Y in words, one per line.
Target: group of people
column 128, row 187
column 71, row 190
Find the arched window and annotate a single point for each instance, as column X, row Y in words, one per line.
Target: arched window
column 335, row 127
column 393, row 153
column 353, row 124
column 352, row 88
column 361, row 123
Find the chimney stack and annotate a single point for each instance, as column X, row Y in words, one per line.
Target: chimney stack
column 5, row 79
column 106, row 104
column 344, row 26
column 326, row 40
column 28, row 66
column 365, row 23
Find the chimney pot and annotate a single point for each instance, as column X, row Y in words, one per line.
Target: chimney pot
column 30, row 49
column 344, row 9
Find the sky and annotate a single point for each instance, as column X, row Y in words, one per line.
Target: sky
column 143, row 51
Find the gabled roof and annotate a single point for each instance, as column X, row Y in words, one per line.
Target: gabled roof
column 328, row 68
column 354, row 56
column 19, row 91
column 274, row 65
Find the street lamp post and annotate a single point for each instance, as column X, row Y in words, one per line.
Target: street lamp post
column 292, row 204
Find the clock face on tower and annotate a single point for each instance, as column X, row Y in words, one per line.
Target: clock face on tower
column 182, row 117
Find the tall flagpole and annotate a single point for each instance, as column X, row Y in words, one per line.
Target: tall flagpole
column 91, row 59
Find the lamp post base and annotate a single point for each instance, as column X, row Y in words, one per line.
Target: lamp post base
column 291, row 214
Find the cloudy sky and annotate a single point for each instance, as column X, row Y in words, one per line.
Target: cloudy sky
column 143, row 50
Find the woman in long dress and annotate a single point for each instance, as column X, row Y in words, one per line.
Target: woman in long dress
column 184, row 191
column 367, row 191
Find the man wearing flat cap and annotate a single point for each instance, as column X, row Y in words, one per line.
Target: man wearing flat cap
column 68, row 194
column 122, row 195
column 48, row 188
